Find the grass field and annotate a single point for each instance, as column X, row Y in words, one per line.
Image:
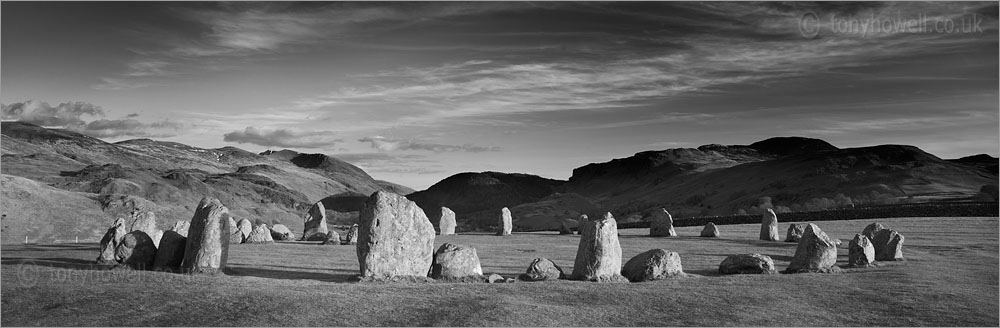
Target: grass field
column 950, row 278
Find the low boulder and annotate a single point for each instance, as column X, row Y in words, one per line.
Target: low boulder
column 170, row 254
column 747, row 264
column 260, row 235
column 888, row 245
column 654, row 264
column 281, row 233
column 542, row 269
column 566, row 227
column 495, row 279
column 455, row 261
column 710, row 230
column 599, row 255
column 816, row 252
column 861, row 253
column 662, row 224
column 795, row 231
column 332, row 238
column 136, row 251
column 110, row 242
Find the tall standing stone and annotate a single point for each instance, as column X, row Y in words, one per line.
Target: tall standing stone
column 110, row 242
column 170, row 254
column 888, row 245
column 769, row 226
column 861, row 253
column 315, row 223
column 447, row 223
column 795, row 231
column 599, row 256
column 455, row 261
column 710, row 230
column 352, row 235
column 504, row 225
column 207, row 247
column 580, row 223
column 395, row 238
column 816, row 252
column 662, row 224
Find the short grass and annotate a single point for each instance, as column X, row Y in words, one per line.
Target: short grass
column 949, row 279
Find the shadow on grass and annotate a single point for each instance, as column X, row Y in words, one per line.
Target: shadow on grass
column 75, row 247
column 339, row 276
column 55, row 262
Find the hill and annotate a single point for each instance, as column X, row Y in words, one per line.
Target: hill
column 166, row 177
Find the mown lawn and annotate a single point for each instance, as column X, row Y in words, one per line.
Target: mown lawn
column 950, row 278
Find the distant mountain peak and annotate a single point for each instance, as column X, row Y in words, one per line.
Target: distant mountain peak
column 792, row 145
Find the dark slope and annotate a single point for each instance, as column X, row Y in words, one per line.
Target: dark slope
column 467, row 193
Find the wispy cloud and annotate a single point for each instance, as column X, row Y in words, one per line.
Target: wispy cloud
column 388, row 145
column 283, row 138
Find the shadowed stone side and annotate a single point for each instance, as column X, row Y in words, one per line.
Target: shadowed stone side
column 662, row 224
column 710, row 230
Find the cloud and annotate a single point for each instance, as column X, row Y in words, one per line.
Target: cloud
column 283, row 138
column 128, row 127
column 43, row 114
column 387, row 144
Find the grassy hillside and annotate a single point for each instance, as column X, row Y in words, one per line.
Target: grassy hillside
column 950, row 278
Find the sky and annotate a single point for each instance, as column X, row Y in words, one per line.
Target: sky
column 414, row 92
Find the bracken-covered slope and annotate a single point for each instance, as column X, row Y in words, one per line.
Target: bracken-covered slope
column 168, row 178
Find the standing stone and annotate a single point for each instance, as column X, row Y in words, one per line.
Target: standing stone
column 580, row 223
column 260, row 235
column 599, row 256
column 795, row 231
column 542, row 269
column 332, row 238
column 565, row 227
column 769, row 226
column 710, row 230
column 662, row 224
column 110, row 242
column 447, row 223
column 654, row 264
column 245, row 228
column 207, row 247
column 861, row 253
column 136, row 251
column 504, row 225
column 170, row 254
column 815, row 252
column 181, row 228
column 352, row 235
column 235, row 236
column 888, row 245
column 143, row 221
column 281, row 232
column 747, row 264
column 315, row 223
column 395, row 238
column 156, row 236
column 455, row 261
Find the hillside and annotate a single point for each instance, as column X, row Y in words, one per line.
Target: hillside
column 785, row 173
column 169, row 178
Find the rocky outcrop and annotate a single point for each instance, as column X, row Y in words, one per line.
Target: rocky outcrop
column 315, row 223
column 505, row 223
column 769, row 226
column 710, row 230
column 136, row 250
column 599, row 255
column 395, row 238
column 816, row 252
column 795, row 231
column 447, row 223
column 110, row 242
column 207, row 247
column 662, row 224
column 747, row 264
column 455, row 261
column 260, row 235
column 170, row 254
column 654, row 264
column 861, row 253
column 280, row 232
column 542, row 269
